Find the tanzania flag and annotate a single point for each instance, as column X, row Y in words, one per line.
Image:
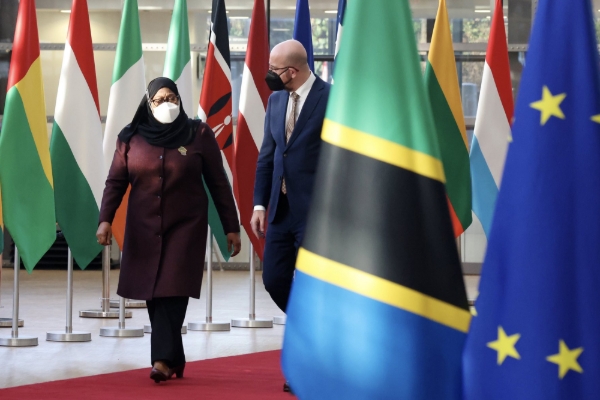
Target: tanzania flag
column 216, row 106
column 378, row 309
column 128, row 88
column 537, row 329
column 441, row 81
column 76, row 145
column 25, row 168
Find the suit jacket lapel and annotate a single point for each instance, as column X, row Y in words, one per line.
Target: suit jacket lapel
column 309, row 105
column 280, row 111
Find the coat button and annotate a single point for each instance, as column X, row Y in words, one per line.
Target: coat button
column 158, row 196
column 285, row 154
column 160, row 157
column 158, row 235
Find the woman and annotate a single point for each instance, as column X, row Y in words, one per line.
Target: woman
column 164, row 155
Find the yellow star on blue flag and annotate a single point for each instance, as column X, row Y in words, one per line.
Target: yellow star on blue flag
column 541, row 271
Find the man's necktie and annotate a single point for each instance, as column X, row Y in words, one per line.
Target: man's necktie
column 289, row 128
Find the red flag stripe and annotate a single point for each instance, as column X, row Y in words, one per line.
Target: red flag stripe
column 498, row 60
column 26, row 44
column 80, row 40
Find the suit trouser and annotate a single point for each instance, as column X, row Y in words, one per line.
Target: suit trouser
column 166, row 318
column 284, row 236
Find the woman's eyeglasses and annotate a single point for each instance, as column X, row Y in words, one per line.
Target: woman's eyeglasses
column 157, row 101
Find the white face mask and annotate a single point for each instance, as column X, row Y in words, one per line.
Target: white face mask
column 166, row 112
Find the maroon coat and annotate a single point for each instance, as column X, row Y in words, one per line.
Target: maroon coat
column 167, row 216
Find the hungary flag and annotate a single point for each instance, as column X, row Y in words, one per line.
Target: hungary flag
column 128, row 88
column 25, row 168
column 216, row 105
column 76, row 145
column 378, row 309
column 441, row 81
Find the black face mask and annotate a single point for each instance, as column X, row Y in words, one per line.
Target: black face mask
column 274, row 81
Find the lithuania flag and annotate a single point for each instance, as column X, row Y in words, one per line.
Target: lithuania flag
column 441, row 81
column 378, row 309
column 25, row 170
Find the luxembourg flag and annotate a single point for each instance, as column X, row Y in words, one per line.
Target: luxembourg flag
column 76, row 145
column 492, row 125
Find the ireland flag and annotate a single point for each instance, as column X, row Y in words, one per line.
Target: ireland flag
column 178, row 61
column 76, row 145
column 128, row 88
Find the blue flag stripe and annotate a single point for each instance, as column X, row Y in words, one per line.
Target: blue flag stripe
column 484, row 189
column 303, row 30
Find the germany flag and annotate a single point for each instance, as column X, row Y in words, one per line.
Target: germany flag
column 378, row 308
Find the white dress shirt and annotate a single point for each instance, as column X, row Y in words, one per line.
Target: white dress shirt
column 302, row 92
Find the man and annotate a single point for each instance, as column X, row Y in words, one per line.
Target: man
column 287, row 163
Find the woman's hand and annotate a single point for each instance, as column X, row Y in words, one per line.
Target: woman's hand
column 234, row 243
column 104, row 233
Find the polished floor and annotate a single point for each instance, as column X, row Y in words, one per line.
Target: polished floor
column 42, row 307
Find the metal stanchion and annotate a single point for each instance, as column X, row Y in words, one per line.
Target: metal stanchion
column 251, row 321
column 68, row 335
column 105, row 312
column 279, row 320
column 209, row 324
column 121, row 331
column 15, row 340
column 129, row 303
column 5, row 322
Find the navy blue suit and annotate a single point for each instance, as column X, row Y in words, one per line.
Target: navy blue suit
column 297, row 162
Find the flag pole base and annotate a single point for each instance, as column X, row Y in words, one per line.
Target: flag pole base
column 122, row 332
column 22, row 341
column 76, row 336
column 209, row 326
column 148, row 329
column 7, row 323
column 102, row 314
column 279, row 320
column 129, row 303
column 252, row 323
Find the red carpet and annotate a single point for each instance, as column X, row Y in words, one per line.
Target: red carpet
column 254, row 376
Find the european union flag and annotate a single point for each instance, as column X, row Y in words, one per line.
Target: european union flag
column 537, row 333
column 303, row 30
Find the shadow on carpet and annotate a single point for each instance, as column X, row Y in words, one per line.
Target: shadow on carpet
column 255, row 376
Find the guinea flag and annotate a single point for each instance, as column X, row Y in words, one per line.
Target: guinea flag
column 25, row 167
column 441, row 81
column 378, row 309
column 76, row 145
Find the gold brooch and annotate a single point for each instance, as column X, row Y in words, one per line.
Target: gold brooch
column 182, row 150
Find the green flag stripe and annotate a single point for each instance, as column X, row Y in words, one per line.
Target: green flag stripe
column 76, row 209
column 455, row 156
column 385, row 102
column 129, row 46
column 216, row 226
column 178, row 46
column 28, row 198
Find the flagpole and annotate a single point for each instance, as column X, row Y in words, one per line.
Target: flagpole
column 6, row 322
column 209, row 324
column 68, row 335
column 105, row 311
column 15, row 340
column 251, row 321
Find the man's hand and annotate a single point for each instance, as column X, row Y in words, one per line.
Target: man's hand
column 234, row 243
column 104, row 233
column 258, row 223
